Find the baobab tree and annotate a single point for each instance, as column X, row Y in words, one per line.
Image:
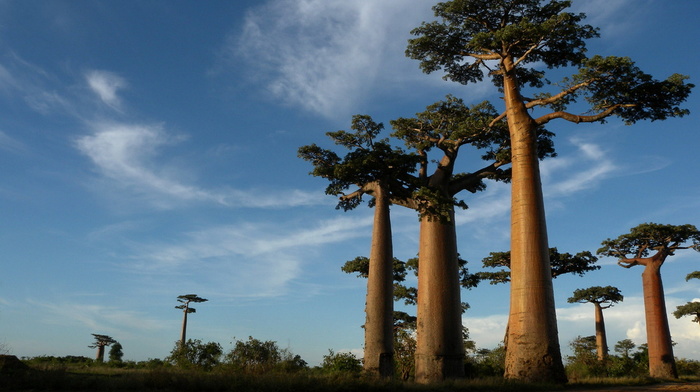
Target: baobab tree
column 185, row 301
column 511, row 42
column 100, row 342
column 601, row 298
column 690, row 308
column 445, row 126
column 371, row 167
column 648, row 245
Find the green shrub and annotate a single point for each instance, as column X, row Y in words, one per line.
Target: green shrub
column 341, row 362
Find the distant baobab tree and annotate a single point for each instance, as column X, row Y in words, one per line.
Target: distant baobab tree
column 100, row 342
column 649, row 244
column 602, row 298
column 690, row 308
column 185, row 300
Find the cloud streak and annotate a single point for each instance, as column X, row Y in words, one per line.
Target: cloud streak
column 129, row 156
column 249, row 259
column 106, row 85
column 325, row 55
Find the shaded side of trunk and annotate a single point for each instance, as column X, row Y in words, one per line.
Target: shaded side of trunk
column 379, row 342
column 661, row 361
column 183, row 333
column 439, row 343
column 100, row 357
column 532, row 347
column 601, row 339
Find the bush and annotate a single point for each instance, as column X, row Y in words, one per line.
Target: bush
column 257, row 357
column 688, row 367
column 341, row 362
column 196, row 354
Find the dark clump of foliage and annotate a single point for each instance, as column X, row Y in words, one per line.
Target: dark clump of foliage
column 632, row 362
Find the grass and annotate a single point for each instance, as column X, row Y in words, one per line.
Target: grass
column 165, row 379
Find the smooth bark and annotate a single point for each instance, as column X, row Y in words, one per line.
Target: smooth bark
column 183, row 333
column 601, row 340
column 661, row 361
column 379, row 342
column 532, row 344
column 439, row 342
column 100, row 357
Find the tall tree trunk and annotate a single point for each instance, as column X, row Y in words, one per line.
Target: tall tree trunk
column 100, row 353
column 661, row 361
column 532, row 347
column 183, row 333
column 601, row 340
column 439, row 342
column 379, row 342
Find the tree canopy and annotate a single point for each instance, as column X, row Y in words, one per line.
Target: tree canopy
column 561, row 263
column 605, row 296
column 474, row 39
column 689, row 309
column 186, row 299
column 650, row 240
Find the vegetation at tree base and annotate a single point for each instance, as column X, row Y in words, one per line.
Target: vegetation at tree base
column 339, row 372
column 601, row 298
column 511, row 42
column 185, row 301
column 649, row 244
column 258, row 357
column 194, row 353
column 584, row 362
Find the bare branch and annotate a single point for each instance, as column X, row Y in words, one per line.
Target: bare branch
column 579, row 118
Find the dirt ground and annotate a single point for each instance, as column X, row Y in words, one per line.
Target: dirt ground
column 668, row 387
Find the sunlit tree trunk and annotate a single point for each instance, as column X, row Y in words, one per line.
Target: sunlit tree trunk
column 532, row 347
column 439, row 343
column 379, row 342
column 100, row 357
column 661, row 361
column 183, row 333
column 601, row 340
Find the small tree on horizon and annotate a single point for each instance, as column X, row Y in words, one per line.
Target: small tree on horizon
column 185, row 301
column 116, row 353
column 601, row 298
column 100, row 342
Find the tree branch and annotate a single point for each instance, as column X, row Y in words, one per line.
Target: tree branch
column 579, row 118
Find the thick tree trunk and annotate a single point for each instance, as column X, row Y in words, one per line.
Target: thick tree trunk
column 601, row 340
column 532, row 347
column 100, row 357
column 183, row 333
column 661, row 361
column 439, row 342
column 379, row 342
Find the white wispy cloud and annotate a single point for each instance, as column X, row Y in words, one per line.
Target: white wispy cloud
column 130, row 156
column 247, row 259
column 105, row 85
column 11, row 144
column 590, row 166
column 95, row 317
column 325, row 55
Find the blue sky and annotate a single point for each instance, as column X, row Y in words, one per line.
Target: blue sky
column 148, row 150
